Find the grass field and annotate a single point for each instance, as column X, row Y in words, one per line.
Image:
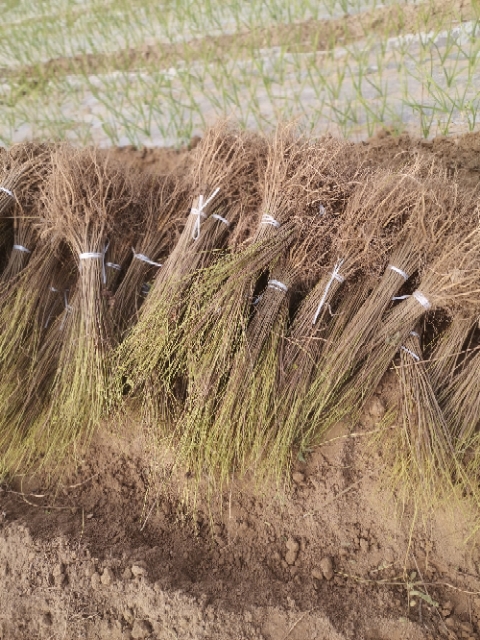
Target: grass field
column 143, row 73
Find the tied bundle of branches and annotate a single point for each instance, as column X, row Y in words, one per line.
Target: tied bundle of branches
column 27, row 312
column 449, row 282
column 239, row 432
column 161, row 199
column 426, row 457
column 424, row 218
column 460, row 401
column 25, row 169
column 24, row 240
column 316, row 356
column 223, row 177
column 299, row 178
column 452, row 345
column 20, row 171
column 450, row 349
column 84, row 196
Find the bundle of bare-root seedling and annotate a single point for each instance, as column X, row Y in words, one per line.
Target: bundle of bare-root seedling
column 222, row 179
column 451, row 280
column 423, row 451
column 25, row 168
column 239, row 433
column 375, row 213
column 163, row 200
column 460, row 401
column 83, row 198
column 28, row 310
column 451, row 347
column 425, row 218
column 302, row 182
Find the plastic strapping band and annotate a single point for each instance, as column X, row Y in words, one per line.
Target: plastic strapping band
column 400, row 297
column 414, row 333
column 199, row 212
column 7, row 191
column 335, row 276
column 19, row 247
column 112, row 265
column 143, row 258
column 97, row 255
column 422, row 299
column 410, row 353
column 399, row 271
column 268, row 219
column 224, row 220
column 276, row 284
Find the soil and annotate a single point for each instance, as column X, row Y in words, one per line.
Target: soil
column 124, row 549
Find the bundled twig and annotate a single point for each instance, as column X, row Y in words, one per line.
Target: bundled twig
column 20, row 171
column 27, row 312
column 448, row 350
column 83, row 197
column 240, row 433
column 316, row 352
column 460, row 401
column 297, row 181
column 450, row 281
column 223, row 178
column 162, row 200
column 26, row 168
column 429, row 453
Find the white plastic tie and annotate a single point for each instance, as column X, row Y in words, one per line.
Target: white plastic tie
column 100, row 255
column 399, row 271
column 19, row 247
column 401, row 297
column 279, row 286
column 144, row 258
column 321, row 210
column 224, row 220
column 410, row 353
column 422, row 299
column 415, row 334
column 200, row 213
column 7, row 191
column 90, row 254
column 334, row 276
column 113, row 265
column 268, row 219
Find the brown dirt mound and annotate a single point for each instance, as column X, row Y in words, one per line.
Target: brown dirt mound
column 114, row 553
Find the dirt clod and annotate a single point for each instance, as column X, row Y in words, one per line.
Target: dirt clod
column 293, row 547
column 298, row 477
column 107, row 577
column 326, row 566
column 317, row 574
column 140, row 629
column 138, row 571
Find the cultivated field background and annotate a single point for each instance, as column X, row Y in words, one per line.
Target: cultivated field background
column 114, row 552
column 151, row 73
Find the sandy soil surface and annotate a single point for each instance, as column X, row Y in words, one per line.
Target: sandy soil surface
column 120, row 549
